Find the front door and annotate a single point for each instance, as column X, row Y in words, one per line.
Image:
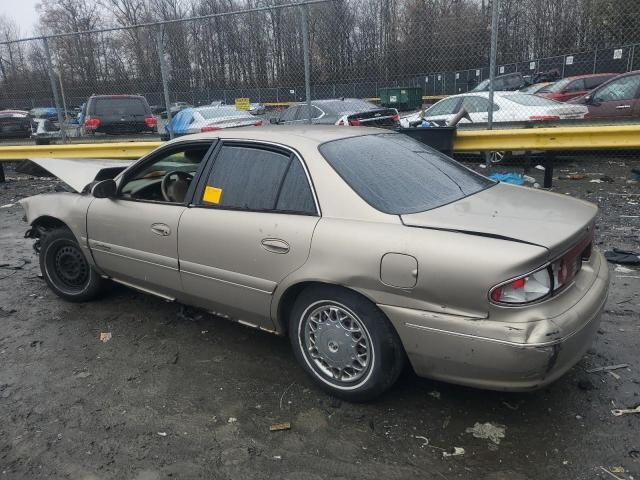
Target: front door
column 616, row 99
column 134, row 237
column 250, row 226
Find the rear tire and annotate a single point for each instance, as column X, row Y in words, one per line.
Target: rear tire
column 345, row 343
column 65, row 268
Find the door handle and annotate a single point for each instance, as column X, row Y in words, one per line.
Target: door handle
column 161, row 229
column 275, row 245
column 622, row 107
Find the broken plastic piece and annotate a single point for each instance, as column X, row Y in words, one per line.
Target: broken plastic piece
column 276, row 427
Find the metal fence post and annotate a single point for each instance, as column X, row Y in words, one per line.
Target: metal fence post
column 163, row 75
column 54, row 89
column 307, row 66
column 493, row 57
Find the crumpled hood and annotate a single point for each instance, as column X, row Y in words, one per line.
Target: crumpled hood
column 78, row 173
column 514, row 213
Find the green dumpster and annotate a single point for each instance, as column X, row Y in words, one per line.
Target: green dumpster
column 402, row 98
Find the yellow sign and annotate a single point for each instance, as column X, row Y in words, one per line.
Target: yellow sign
column 242, row 103
column 212, row 195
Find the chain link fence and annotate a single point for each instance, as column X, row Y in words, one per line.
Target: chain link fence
column 407, row 54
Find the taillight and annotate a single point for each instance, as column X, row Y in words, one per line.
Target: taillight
column 210, row 129
column 91, row 123
column 258, row 123
column 396, row 118
column 545, row 281
column 525, row 289
column 354, row 122
column 150, row 121
column 544, row 117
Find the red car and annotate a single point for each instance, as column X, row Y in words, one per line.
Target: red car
column 572, row 87
column 619, row 98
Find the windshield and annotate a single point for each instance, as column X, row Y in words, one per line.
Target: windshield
column 119, row 106
column 398, row 175
column 530, row 100
column 555, row 87
column 483, row 85
column 223, row 112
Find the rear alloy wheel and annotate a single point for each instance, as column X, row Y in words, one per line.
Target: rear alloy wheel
column 345, row 342
column 66, row 269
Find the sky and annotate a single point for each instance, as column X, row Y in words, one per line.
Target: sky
column 23, row 12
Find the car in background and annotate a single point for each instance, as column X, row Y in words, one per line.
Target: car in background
column 50, row 113
column 157, row 109
column 257, row 109
column 344, row 111
column 174, row 108
column 15, row 124
column 536, row 87
column 502, row 83
column 572, row 87
column 45, row 131
column 209, row 119
column 118, row 114
column 618, row 98
column 217, row 103
column 507, row 107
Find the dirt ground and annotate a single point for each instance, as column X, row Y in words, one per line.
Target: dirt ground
column 177, row 393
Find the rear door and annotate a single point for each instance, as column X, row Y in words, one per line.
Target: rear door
column 249, row 227
column 617, row 99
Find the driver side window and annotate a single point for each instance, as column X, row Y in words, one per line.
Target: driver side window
column 167, row 176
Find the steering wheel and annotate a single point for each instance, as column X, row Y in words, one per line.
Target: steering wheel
column 167, row 183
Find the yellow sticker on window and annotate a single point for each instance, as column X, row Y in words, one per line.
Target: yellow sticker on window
column 212, row 195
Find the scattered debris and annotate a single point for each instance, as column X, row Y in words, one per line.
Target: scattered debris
column 622, row 256
column 425, row 440
column 614, row 375
column 539, row 167
column 617, row 412
column 488, row 430
column 612, row 474
column 105, row 337
column 509, row 406
column 608, row 368
column 607, row 178
column 528, row 179
column 232, row 420
column 84, row 374
column 276, row 427
column 162, row 434
column 574, row 176
column 513, row 178
column 621, row 269
column 455, row 452
column 595, row 180
column 8, row 205
column 616, row 469
column 435, row 394
column 277, row 457
column 284, row 393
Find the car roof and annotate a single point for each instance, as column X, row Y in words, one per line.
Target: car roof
column 292, row 136
column 115, row 96
column 589, row 75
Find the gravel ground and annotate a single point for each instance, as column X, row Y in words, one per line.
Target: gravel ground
column 177, row 393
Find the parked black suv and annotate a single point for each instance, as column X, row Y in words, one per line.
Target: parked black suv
column 117, row 114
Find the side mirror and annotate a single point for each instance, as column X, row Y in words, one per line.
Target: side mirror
column 105, row 189
column 274, row 120
column 588, row 99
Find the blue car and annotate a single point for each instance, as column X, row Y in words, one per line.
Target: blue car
column 48, row 113
column 207, row 119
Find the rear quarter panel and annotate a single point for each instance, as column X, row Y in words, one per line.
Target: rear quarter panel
column 455, row 270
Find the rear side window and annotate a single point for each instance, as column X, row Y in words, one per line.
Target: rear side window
column 398, row 175
column 256, row 179
column 119, row 106
column 575, row 86
column 593, row 82
column 448, row 106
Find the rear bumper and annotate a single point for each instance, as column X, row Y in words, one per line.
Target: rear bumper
column 515, row 361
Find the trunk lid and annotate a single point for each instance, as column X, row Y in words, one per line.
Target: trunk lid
column 514, row 213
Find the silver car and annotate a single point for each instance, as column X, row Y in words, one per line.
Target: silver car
column 364, row 246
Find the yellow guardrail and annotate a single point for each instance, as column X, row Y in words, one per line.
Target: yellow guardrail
column 120, row 150
column 551, row 138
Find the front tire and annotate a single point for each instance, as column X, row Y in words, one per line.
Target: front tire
column 345, row 343
column 65, row 268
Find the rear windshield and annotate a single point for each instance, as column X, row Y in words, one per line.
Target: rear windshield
column 530, row 100
column 343, row 107
column 223, row 112
column 398, row 175
column 119, row 106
